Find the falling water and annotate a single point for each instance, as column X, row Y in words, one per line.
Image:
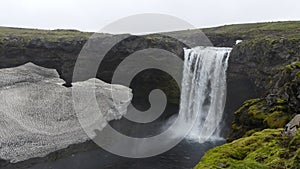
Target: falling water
column 204, row 91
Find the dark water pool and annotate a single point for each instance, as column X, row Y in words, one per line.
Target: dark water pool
column 183, row 156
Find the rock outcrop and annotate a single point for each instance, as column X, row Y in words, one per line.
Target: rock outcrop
column 275, row 108
column 266, row 68
column 38, row 115
column 290, row 129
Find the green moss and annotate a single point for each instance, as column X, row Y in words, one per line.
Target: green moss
column 280, row 101
column 298, row 75
column 51, row 35
column 277, row 108
column 247, row 165
column 236, row 126
column 265, row 149
column 239, row 111
column 250, row 132
column 277, row 119
column 247, row 104
column 297, row 64
column 21, row 36
column 271, row 31
column 270, row 82
column 251, row 102
column 255, row 113
column 291, row 67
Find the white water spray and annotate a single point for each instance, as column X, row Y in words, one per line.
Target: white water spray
column 203, row 92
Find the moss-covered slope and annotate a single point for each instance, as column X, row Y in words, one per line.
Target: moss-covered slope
column 266, row 150
column 275, row 109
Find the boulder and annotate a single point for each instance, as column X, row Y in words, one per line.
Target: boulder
column 291, row 128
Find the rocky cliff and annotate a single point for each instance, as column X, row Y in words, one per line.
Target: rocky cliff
column 267, row 63
column 59, row 49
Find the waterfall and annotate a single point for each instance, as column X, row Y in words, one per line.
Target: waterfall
column 203, row 92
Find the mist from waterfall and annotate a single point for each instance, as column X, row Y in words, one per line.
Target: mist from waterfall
column 203, row 93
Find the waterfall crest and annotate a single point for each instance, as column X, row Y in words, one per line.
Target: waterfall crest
column 203, row 93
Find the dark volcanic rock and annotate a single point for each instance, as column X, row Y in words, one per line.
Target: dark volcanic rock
column 248, row 75
column 279, row 105
column 252, row 66
column 62, row 55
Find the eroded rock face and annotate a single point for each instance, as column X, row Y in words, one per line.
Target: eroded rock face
column 37, row 114
column 248, row 75
column 272, row 110
column 257, row 59
column 62, row 54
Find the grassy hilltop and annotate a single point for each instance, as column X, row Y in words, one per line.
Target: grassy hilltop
column 287, row 29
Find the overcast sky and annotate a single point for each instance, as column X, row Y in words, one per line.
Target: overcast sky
column 92, row 15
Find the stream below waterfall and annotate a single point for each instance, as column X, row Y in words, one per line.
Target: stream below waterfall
column 183, row 156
